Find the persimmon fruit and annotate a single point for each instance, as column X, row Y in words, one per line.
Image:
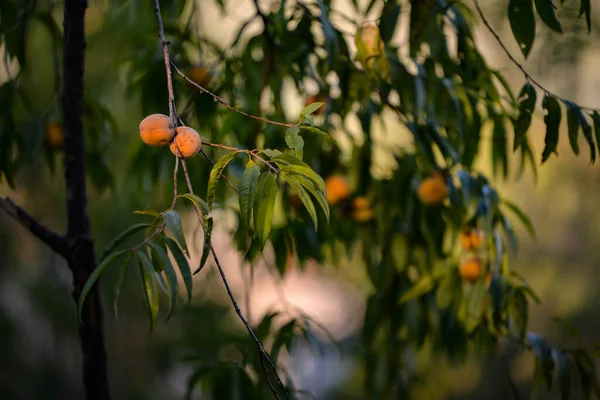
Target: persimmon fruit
column 157, row 130
column 188, row 141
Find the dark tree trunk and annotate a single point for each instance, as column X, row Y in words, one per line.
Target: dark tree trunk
column 81, row 258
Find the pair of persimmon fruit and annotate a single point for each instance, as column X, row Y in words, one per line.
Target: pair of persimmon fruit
column 157, row 130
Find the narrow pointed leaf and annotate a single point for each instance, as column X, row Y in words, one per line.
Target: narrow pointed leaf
column 521, row 216
column 264, row 206
column 309, row 109
column 573, row 126
column 95, row 275
column 320, row 132
column 206, row 248
column 587, row 132
column 552, row 121
column 172, row 285
column 424, row 285
column 596, row 119
column 173, row 221
column 586, row 8
column 122, row 237
column 215, row 174
column 318, row 193
column 182, row 263
column 198, row 203
column 547, row 12
column 247, row 191
column 522, row 23
column 563, row 373
column 304, row 197
column 150, row 287
column 119, row 282
column 527, row 100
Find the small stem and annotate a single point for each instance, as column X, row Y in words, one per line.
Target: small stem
column 175, row 171
column 211, row 162
column 158, row 230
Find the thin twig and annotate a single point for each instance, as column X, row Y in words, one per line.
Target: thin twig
column 238, row 311
column 517, row 63
column 51, row 239
column 175, row 171
column 223, row 102
column 161, row 33
column 158, row 230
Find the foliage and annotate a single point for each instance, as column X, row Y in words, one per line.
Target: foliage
column 449, row 102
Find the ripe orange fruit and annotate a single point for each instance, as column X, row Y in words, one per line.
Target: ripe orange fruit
column 337, row 189
column 433, row 190
column 361, row 209
column 201, row 75
column 470, row 269
column 317, row 99
column 188, row 142
column 55, row 135
column 156, row 130
column 471, row 239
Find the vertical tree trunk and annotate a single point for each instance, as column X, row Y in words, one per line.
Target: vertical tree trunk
column 81, row 258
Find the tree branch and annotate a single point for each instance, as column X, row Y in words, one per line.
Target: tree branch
column 514, row 60
column 51, row 239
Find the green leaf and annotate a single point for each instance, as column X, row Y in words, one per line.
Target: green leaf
column 578, row 117
column 173, row 221
column 119, row 282
column 182, row 263
column 499, row 146
column 303, row 195
column 519, row 313
column 475, row 305
column 290, row 164
column 543, row 354
column 522, row 23
column 247, row 191
column 206, row 248
column 552, row 121
column 264, row 205
column 319, row 132
column 563, row 373
column 527, row 100
column 521, row 216
column 216, row 173
column 586, row 8
column 198, row 202
column 295, row 141
column 170, row 273
column 123, row 236
column 95, row 275
column 547, row 12
column 316, row 191
column 573, row 126
column 423, row 286
column 308, row 110
column 152, row 213
column 596, row 119
column 150, row 287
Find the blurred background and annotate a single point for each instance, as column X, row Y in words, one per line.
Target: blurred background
column 40, row 350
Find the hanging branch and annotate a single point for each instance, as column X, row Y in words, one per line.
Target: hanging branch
column 51, row 239
column 263, row 354
column 528, row 76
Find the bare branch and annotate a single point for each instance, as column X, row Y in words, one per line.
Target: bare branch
column 514, row 60
column 51, row 239
column 165, row 46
